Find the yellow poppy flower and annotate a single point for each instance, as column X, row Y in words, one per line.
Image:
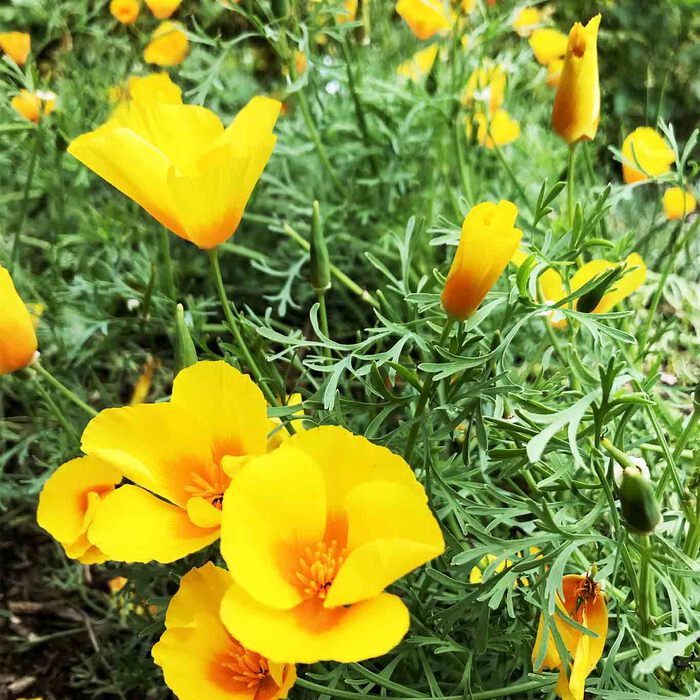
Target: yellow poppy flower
column 678, row 203
column 125, row 11
column 17, row 45
column 576, row 110
column 312, row 534
column 476, row 575
column 162, row 9
column 32, row 105
column 497, row 129
column 180, row 457
column 554, row 69
column 193, row 176
column 168, row 46
column 349, row 12
column 425, row 17
column 487, row 243
column 548, row 44
column 69, row 502
column 486, row 84
column 198, row 657
column 526, row 21
column 648, row 148
column 18, row 342
column 584, row 603
column 419, row 65
column 633, row 277
column 550, row 289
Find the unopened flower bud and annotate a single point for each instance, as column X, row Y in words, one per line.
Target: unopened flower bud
column 185, row 352
column 639, row 505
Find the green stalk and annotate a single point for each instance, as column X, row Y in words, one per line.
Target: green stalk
column 63, row 389
column 570, row 183
column 166, row 262
column 25, row 198
column 323, row 318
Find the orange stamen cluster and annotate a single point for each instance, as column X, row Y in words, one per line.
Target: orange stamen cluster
column 318, row 568
column 211, row 488
column 246, row 667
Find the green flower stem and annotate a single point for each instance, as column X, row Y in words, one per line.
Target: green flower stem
column 513, row 179
column 464, row 178
column 570, row 183
column 166, row 264
column 234, row 326
column 323, row 318
column 63, row 389
column 60, row 417
column 646, row 600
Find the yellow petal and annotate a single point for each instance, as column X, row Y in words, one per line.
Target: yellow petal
column 548, row 45
column 162, row 9
column 18, row 341
column 645, row 153
column 526, row 21
column 486, row 85
column 419, row 65
column 425, row 17
column 311, row 633
column 168, row 47
column 203, row 513
column 678, row 203
column 391, row 531
column 16, row 45
column 153, row 89
column 125, row 11
column 497, row 129
column 133, row 525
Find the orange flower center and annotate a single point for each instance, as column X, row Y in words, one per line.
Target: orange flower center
column 210, row 487
column 318, row 567
column 243, row 666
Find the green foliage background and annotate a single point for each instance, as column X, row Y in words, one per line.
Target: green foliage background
column 400, row 177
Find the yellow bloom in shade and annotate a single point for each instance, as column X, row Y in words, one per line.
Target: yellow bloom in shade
column 126, row 11
column 646, row 147
column 180, row 164
column 584, row 602
column 576, row 110
column 162, row 9
column 554, row 69
column 633, row 277
column 526, row 21
column 349, row 12
column 32, row 105
column 180, row 457
column 425, row 17
column 678, row 203
column 486, row 84
column 168, row 46
column 200, row 660
column 69, row 502
column 312, row 534
column 550, row 288
column 488, row 241
column 17, row 45
column 18, row 342
column 476, row 575
column 419, row 65
column 548, row 44
column 498, row 129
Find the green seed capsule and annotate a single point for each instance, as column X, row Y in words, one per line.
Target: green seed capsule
column 639, row 505
column 185, row 352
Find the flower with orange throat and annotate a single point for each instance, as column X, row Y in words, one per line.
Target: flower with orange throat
column 486, row 85
column 17, row 45
column 488, row 240
column 645, row 154
column 69, row 501
column 180, row 164
column 348, row 13
column 180, row 457
column 425, row 17
column 548, row 44
column 125, row 11
column 419, row 65
column 678, row 203
column 200, row 660
column 162, row 9
column 18, row 343
column 527, row 20
column 576, row 110
column 584, row 602
column 33, row 105
column 493, row 130
column 312, row 534
column 168, row 46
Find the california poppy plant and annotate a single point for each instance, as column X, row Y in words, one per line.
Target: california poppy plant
column 489, row 239
column 312, row 534
column 584, row 602
column 200, row 660
column 180, row 457
column 33, row 105
column 576, row 110
column 678, row 203
column 425, row 17
column 168, row 46
column 194, row 176
column 497, row 129
column 645, row 154
column 17, row 45
column 487, row 85
column 18, row 343
column 162, row 9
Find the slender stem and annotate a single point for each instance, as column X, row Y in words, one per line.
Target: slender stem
column 25, row 198
column 63, row 389
column 646, row 588
column 513, row 179
column 60, row 417
column 166, row 262
column 323, row 317
column 570, row 183
column 236, row 330
column 461, row 161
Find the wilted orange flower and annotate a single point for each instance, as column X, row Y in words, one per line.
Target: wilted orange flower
column 32, row 105
column 583, row 602
column 678, row 203
column 168, row 46
column 645, row 153
column 126, row 11
column 201, row 660
column 16, row 45
column 576, row 110
column 497, row 129
column 425, row 17
column 526, row 21
column 162, row 9
column 69, row 502
column 548, row 44
column 193, row 176
column 312, row 534
column 487, row 84
column 419, row 65
column 18, row 342
column 488, row 241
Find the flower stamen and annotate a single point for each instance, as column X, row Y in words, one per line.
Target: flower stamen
column 246, row 667
column 318, row 567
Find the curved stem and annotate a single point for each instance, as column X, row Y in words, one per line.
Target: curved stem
column 63, row 389
column 25, row 198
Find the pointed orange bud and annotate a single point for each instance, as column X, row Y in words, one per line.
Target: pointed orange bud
column 17, row 337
